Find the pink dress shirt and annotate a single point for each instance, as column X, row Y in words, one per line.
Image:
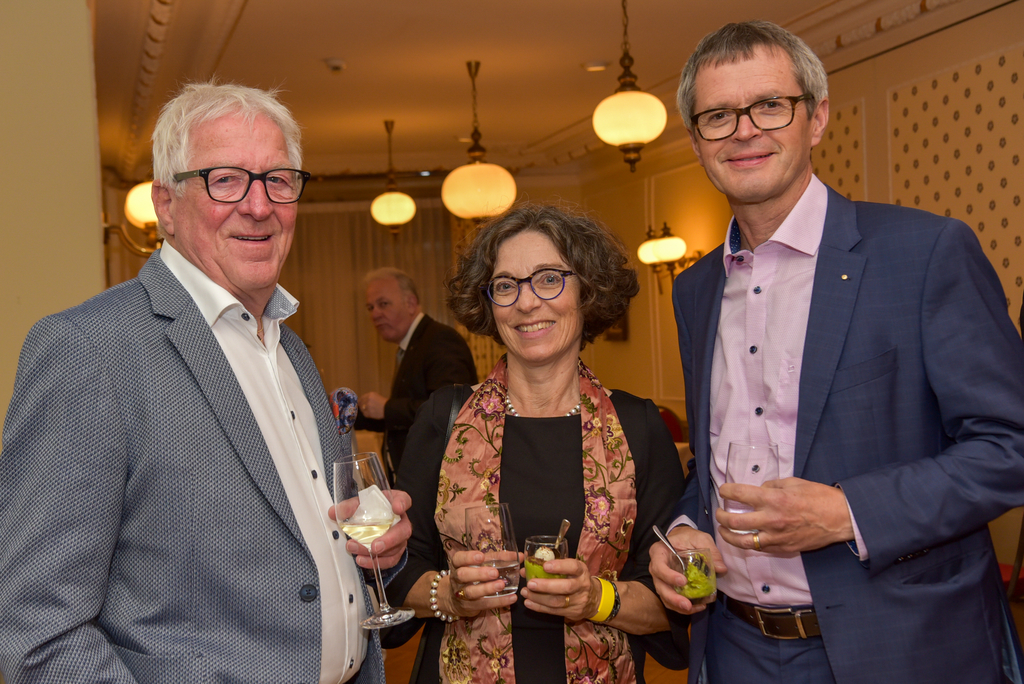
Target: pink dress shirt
column 755, row 378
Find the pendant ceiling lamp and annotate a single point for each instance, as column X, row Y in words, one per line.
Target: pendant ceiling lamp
column 630, row 118
column 477, row 189
column 392, row 208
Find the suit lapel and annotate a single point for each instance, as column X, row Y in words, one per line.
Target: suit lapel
column 707, row 312
column 410, row 356
column 191, row 336
column 837, row 279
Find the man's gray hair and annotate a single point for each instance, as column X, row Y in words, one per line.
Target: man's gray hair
column 735, row 42
column 405, row 283
column 199, row 103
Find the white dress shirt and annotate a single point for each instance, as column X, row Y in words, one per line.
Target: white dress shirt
column 285, row 417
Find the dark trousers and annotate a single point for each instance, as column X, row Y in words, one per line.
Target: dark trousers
column 738, row 653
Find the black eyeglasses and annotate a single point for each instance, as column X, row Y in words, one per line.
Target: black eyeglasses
column 547, row 283
column 231, row 184
column 767, row 115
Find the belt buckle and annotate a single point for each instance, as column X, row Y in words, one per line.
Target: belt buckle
column 798, row 614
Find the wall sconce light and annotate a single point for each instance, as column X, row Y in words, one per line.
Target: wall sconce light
column 138, row 209
column 630, row 118
column 665, row 253
column 477, row 189
column 392, row 208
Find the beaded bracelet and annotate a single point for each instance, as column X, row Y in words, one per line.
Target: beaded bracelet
column 433, row 599
column 616, row 605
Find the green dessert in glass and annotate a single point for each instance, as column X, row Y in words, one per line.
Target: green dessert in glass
column 540, row 549
column 701, row 585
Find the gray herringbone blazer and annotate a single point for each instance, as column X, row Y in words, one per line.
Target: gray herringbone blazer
column 144, row 533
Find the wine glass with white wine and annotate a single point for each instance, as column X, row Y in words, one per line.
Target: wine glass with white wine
column 361, row 477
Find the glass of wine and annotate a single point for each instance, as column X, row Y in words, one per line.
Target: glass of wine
column 359, row 478
column 489, row 530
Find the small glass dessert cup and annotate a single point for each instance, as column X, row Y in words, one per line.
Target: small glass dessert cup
column 540, row 549
column 699, row 571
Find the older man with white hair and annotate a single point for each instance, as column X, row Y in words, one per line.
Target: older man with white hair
column 164, row 497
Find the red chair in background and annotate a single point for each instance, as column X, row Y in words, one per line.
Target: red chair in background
column 680, row 433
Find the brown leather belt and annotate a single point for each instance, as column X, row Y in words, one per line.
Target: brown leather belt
column 777, row 623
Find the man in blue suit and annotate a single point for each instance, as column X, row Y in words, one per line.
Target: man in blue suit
column 867, row 350
column 165, row 479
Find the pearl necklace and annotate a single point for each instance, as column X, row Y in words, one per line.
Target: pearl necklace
column 509, row 408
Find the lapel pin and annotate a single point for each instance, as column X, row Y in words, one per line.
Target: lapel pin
column 845, row 277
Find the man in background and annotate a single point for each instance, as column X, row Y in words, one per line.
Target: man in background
column 165, row 478
column 430, row 355
column 871, row 346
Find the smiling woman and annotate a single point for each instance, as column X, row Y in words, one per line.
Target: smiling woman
column 542, row 434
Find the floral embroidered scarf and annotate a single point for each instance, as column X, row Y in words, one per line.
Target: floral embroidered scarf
column 480, row 649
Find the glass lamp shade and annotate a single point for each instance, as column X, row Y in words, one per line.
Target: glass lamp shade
column 661, row 250
column 393, row 209
column 629, row 117
column 138, row 205
column 478, row 190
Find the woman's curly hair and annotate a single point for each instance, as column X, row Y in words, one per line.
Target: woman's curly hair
column 596, row 255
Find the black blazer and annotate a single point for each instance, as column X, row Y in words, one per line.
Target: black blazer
column 437, row 356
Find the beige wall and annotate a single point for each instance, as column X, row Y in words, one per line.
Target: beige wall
column 51, row 227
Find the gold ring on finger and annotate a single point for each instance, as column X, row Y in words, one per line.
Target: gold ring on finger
column 566, row 602
column 757, row 541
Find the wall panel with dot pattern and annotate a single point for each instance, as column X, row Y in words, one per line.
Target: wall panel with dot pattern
column 956, row 144
column 839, row 157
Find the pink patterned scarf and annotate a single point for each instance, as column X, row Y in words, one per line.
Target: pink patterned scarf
column 480, row 649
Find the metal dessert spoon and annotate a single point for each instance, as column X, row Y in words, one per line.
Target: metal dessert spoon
column 664, row 539
column 563, row 528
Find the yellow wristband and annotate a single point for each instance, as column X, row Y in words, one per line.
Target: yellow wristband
column 607, row 601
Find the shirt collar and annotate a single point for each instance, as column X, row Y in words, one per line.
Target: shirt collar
column 801, row 230
column 212, row 299
column 404, row 344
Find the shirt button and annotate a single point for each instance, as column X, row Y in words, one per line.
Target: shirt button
column 308, row 593
column 351, row 663
column 755, row 469
column 245, row 316
column 753, row 349
column 337, row 535
column 314, row 474
column 765, row 589
column 757, row 290
column 758, row 410
column 739, row 258
column 351, row 598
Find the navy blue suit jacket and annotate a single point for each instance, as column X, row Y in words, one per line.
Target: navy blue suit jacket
column 912, row 400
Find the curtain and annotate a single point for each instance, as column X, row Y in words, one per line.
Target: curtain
column 335, row 245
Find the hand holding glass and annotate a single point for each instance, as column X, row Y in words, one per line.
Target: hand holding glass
column 361, row 476
column 489, row 530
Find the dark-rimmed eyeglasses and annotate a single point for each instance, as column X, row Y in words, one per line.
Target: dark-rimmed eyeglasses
column 767, row 115
column 231, row 184
column 547, row 283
